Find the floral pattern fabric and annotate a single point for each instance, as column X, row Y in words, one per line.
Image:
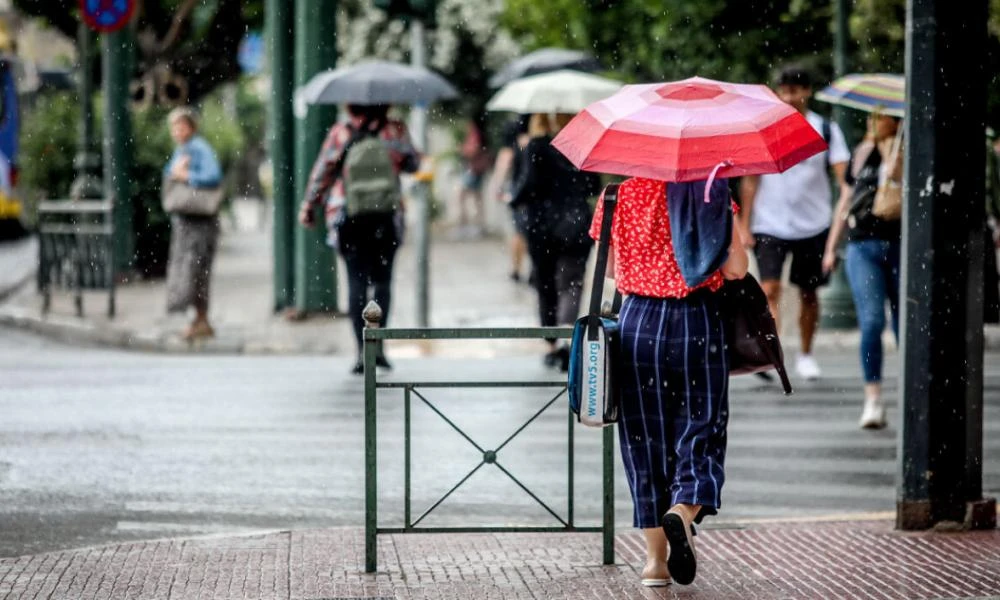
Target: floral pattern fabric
column 645, row 264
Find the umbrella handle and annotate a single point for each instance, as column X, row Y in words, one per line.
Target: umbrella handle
column 711, row 177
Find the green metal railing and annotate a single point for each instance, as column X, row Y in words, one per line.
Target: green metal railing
column 373, row 337
column 76, row 249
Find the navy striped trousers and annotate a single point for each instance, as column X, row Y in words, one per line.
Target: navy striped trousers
column 674, row 403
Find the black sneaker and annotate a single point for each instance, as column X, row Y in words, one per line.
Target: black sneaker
column 359, row 367
column 681, row 561
column 380, row 361
column 562, row 355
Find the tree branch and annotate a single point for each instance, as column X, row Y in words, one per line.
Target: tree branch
column 180, row 17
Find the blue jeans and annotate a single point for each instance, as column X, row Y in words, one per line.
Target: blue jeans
column 873, row 272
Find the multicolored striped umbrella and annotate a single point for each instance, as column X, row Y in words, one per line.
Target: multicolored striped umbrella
column 688, row 131
column 881, row 92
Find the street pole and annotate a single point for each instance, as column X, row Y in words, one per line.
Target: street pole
column 88, row 184
column 940, row 458
column 279, row 22
column 117, row 68
column 838, row 305
column 315, row 51
column 422, row 185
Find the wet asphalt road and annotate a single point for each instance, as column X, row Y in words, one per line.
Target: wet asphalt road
column 102, row 446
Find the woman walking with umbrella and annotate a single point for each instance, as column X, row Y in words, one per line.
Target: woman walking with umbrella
column 674, row 243
column 872, row 253
column 357, row 175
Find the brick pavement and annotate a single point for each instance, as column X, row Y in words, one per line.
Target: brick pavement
column 864, row 559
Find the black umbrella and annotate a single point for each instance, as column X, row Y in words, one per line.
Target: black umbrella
column 375, row 82
column 543, row 61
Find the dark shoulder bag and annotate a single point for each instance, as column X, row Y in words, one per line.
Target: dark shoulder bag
column 751, row 331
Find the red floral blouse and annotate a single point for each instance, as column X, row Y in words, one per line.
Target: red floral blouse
column 640, row 237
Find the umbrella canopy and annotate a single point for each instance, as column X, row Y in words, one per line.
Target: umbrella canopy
column 883, row 92
column 562, row 91
column 689, row 130
column 543, row 61
column 375, row 82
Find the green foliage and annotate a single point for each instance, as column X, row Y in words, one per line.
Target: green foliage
column 252, row 114
column 48, row 146
column 656, row 40
column 198, row 41
column 879, row 28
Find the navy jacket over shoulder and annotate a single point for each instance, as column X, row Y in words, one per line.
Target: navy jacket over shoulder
column 701, row 232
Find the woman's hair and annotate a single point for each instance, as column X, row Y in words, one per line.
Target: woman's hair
column 185, row 113
column 373, row 116
column 542, row 124
column 538, row 125
column 872, row 117
column 794, row 75
column 559, row 120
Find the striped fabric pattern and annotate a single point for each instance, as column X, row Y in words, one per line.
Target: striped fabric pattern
column 680, row 131
column 674, row 403
column 885, row 92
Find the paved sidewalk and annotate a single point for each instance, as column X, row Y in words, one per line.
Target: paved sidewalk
column 17, row 264
column 814, row 560
column 469, row 287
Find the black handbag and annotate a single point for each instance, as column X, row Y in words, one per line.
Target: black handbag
column 751, row 332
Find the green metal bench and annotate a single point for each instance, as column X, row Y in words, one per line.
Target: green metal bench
column 373, row 336
column 75, row 250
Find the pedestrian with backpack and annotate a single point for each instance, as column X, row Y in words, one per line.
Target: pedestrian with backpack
column 790, row 213
column 356, row 177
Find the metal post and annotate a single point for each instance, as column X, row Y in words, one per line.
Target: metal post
column 373, row 316
column 422, row 188
column 942, row 321
column 837, row 303
column 117, row 67
column 418, row 58
column 315, row 51
column 88, row 184
column 280, row 21
column 608, row 525
column 421, row 191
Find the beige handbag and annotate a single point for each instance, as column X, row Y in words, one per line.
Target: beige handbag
column 181, row 198
column 888, row 204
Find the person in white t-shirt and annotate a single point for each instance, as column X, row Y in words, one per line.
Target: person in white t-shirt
column 789, row 213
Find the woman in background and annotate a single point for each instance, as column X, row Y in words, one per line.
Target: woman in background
column 193, row 238
column 872, row 254
column 555, row 198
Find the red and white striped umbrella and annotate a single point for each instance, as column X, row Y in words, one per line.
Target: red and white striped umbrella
column 688, row 131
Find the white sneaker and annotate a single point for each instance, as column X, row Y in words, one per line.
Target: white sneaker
column 807, row 367
column 873, row 415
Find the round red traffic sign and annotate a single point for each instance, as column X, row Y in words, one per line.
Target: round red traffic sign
column 106, row 15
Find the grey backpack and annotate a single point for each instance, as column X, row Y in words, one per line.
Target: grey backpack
column 370, row 181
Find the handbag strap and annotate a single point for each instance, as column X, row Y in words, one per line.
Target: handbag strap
column 603, row 246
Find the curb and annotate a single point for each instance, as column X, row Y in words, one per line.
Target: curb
column 83, row 332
